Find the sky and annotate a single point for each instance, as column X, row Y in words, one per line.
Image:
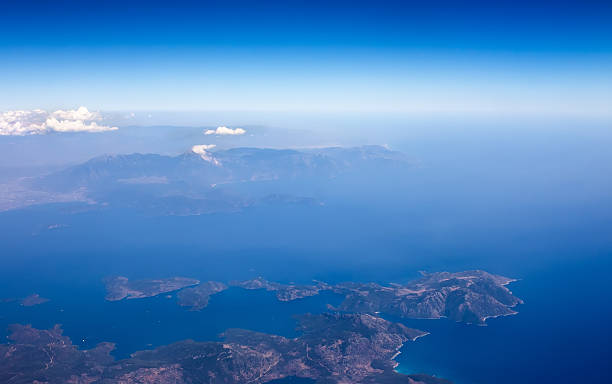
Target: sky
column 401, row 57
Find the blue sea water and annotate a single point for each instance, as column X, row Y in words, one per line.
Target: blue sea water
column 561, row 334
column 539, row 213
column 146, row 323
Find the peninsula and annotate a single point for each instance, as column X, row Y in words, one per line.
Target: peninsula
column 119, row 288
column 333, row 348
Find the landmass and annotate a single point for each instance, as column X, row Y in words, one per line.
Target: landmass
column 47, row 356
column 119, row 287
column 469, row 296
column 284, row 292
column 196, row 182
column 333, row 348
column 197, row 297
column 352, row 344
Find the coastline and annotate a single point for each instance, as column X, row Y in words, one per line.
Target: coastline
column 398, row 351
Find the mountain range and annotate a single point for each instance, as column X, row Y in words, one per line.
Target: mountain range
column 202, row 180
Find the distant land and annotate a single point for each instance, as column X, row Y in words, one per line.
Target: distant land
column 197, row 182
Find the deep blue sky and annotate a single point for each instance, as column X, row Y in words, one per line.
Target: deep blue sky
column 555, row 26
column 493, row 57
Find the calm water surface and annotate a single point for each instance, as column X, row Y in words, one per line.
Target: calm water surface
column 561, row 334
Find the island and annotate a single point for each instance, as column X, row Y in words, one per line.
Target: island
column 349, row 344
column 196, row 298
column 468, row 296
column 332, row 348
column 119, row 287
column 284, row 292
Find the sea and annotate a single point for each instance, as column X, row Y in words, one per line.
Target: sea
column 523, row 214
column 560, row 334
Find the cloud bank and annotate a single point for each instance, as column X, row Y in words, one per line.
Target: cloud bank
column 225, row 131
column 38, row 121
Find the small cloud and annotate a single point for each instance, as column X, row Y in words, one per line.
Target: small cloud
column 202, row 147
column 202, row 150
column 225, row 131
column 38, row 121
column 76, row 126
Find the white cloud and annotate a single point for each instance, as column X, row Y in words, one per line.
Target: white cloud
column 37, row 121
column 225, row 131
column 23, row 122
column 202, row 150
column 76, row 114
column 76, row 126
